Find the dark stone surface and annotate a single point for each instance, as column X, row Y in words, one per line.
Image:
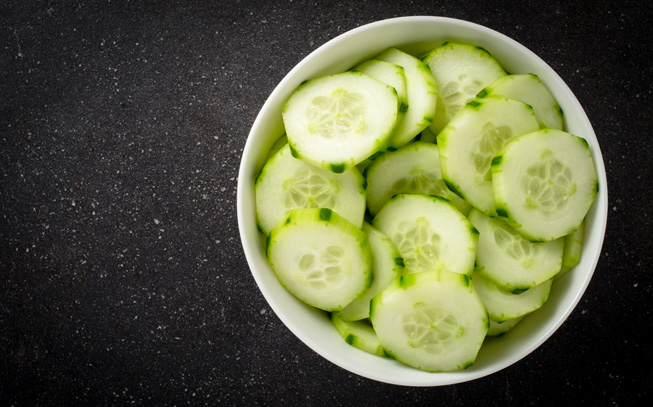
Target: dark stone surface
column 122, row 278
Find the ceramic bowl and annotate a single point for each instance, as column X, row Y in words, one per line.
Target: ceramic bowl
column 415, row 35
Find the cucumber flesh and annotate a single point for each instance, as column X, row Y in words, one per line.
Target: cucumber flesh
column 422, row 96
column 359, row 334
column 544, row 183
column 413, row 169
column 503, row 305
column 528, row 88
column 472, row 139
column 500, row 328
column 287, row 183
column 460, row 72
column 510, row 261
column 348, row 108
column 387, row 266
column 429, row 232
column 320, row 258
column 573, row 250
column 433, row 321
column 392, row 75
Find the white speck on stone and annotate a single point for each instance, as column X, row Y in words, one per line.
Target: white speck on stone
column 156, row 221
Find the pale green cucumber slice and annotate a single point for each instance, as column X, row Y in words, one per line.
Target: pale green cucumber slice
column 422, row 96
column 509, row 260
column 544, row 183
column 429, row 232
column 413, row 169
column 573, row 250
column 286, row 183
column 359, row 334
column 460, row 72
column 320, row 258
column 528, row 88
column 471, row 140
column 392, row 75
column 503, row 305
column 347, row 109
column 500, row 328
column 387, row 266
column 433, row 321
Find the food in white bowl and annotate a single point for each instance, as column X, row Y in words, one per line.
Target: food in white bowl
column 415, row 36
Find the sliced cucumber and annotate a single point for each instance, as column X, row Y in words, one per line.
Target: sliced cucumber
column 359, row 334
column 500, row 328
column 434, row 321
column 503, row 305
column 509, row 260
column 460, row 72
column 392, row 75
column 422, row 95
column 544, row 183
column 350, row 108
column 528, row 88
column 286, row 183
column 573, row 250
column 471, row 140
column 413, row 169
column 429, row 232
column 320, row 258
column 387, row 266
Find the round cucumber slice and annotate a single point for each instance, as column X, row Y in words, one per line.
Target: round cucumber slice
column 544, row 183
column 359, row 334
column 528, row 88
column 346, row 109
column 429, row 232
column 413, row 169
column 433, row 321
column 503, row 305
column 320, row 258
column 460, row 72
column 509, row 260
column 287, row 183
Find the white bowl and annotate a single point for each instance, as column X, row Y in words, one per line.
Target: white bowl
column 311, row 326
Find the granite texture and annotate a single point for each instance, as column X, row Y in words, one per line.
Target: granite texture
column 122, row 279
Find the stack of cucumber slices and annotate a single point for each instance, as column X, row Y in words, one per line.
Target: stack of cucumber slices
column 425, row 202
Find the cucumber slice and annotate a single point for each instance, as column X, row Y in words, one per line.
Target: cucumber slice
column 286, row 183
column 413, row 169
column 434, row 321
column 544, row 183
column 509, row 260
column 320, row 258
column 503, row 305
column 528, row 88
column 359, row 334
column 573, row 250
column 346, row 109
column 429, row 232
column 460, row 72
column 500, row 328
column 473, row 137
column 392, row 75
column 387, row 266
column 422, row 96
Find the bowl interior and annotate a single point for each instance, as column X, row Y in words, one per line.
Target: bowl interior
column 416, row 35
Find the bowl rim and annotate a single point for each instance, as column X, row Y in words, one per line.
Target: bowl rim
column 244, row 209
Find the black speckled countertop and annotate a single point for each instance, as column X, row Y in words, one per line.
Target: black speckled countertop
column 122, row 278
